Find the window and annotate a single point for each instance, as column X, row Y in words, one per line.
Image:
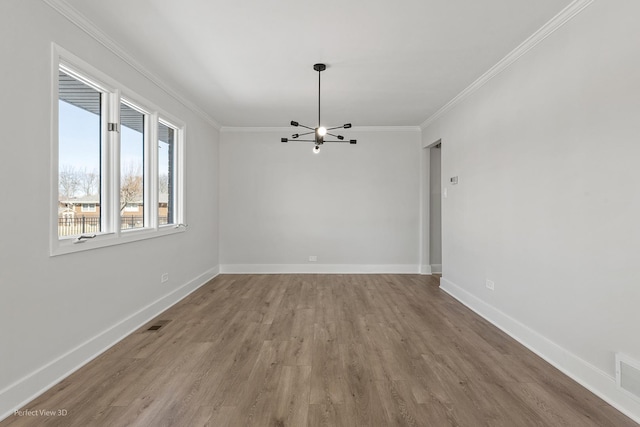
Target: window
column 88, row 207
column 132, row 142
column 132, row 207
column 166, row 168
column 115, row 155
column 79, row 145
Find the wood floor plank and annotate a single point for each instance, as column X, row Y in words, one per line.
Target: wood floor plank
column 551, row 410
column 271, row 304
column 362, row 398
column 292, row 397
column 325, row 303
column 327, row 373
column 401, row 409
column 223, row 416
column 237, row 367
column 299, row 351
column 131, row 390
column 611, row 417
column 319, row 350
column 329, row 415
column 256, row 406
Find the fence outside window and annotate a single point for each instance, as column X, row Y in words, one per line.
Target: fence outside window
column 70, row 226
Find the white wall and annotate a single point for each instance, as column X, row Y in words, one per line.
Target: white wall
column 57, row 312
column 355, row 207
column 548, row 202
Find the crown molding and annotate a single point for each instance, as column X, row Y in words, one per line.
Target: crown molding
column 286, row 129
column 545, row 31
column 387, row 128
column 231, row 129
column 81, row 21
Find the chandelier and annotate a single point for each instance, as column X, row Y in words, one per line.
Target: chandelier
column 319, row 132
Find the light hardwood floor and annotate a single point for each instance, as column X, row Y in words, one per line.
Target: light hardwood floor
column 320, row 350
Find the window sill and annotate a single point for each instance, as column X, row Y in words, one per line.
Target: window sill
column 71, row 245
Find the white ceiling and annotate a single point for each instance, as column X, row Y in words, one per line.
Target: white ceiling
column 249, row 62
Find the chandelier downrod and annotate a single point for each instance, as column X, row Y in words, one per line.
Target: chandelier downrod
column 318, row 97
column 319, row 68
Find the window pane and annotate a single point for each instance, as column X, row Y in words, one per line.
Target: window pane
column 79, row 133
column 131, row 168
column 166, row 171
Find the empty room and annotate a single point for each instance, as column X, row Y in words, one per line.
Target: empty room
column 355, row 213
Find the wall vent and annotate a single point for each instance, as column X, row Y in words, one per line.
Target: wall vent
column 628, row 374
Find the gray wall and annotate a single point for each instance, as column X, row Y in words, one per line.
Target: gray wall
column 355, row 207
column 58, row 312
column 548, row 204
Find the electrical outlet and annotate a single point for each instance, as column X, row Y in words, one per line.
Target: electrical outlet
column 313, row 258
column 490, row 284
column 164, row 277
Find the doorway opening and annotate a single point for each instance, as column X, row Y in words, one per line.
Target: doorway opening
column 435, row 208
column 431, row 260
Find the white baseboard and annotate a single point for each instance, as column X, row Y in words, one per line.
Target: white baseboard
column 436, row 268
column 314, row 268
column 26, row 389
column 587, row 375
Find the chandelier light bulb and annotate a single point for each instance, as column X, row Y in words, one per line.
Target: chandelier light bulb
column 316, row 149
column 322, row 131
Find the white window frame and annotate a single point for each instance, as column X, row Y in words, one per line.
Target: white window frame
column 114, row 93
column 179, row 174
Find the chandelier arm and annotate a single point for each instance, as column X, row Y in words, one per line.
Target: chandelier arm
column 335, row 136
column 306, row 127
column 306, row 133
column 346, row 141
